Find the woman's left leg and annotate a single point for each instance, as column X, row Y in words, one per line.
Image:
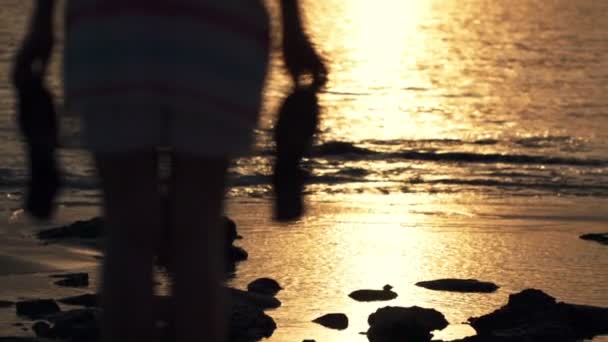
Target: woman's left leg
column 133, row 213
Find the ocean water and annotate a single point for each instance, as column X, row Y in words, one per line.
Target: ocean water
column 459, row 139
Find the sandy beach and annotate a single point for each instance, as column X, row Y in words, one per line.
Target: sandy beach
column 367, row 242
column 459, row 139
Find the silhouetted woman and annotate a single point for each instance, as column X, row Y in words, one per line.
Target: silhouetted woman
column 184, row 74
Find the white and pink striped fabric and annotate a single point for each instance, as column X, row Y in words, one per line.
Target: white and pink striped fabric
column 185, row 73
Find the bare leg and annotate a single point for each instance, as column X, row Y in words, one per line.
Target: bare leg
column 197, row 248
column 133, row 214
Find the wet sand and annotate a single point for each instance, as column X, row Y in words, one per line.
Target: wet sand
column 368, row 241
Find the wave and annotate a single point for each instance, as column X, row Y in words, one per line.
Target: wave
column 12, row 180
column 347, row 150
column 556, row 186
column 359, row 179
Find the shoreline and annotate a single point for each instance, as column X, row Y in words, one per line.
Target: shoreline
column 368, row 213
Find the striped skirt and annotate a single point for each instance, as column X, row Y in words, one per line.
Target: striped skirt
column 188, row 74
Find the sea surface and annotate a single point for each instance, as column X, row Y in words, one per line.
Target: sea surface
column 459, row 138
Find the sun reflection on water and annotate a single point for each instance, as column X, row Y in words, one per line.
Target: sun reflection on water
column 375, row 62
column 425, row 73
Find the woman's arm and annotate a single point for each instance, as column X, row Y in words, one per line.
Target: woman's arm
column 32, row 58
column 301, row 58
column 43, row 13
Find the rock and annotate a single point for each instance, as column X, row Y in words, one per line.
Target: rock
column 236, row 254
column 6, row 304
column 337, row 321
column 38, row 308
column 93, row 229
column 230, row 230
column 340, row 148
column 247, row 320
column 87, row 229
column 373, row 295
column 459, row 285
column 397, row 324
column 233, row 254
column 265, row 286
column 76, row 325
column 88, row 300
column 42, row 329
column 532, row 315
column 249, row 323
column 597, row 237
column 531, row 298
column 259, row 300
column 72, row 279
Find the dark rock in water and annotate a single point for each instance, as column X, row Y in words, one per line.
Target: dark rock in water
column 397, row 324
column 233, row 254
column 333, row 320
column 72, row 279
column 258, row 300
column 230, row 230
column 38, row 308
column 87, row 229
column 459, row 285
column 374, row 295
column 42, row 329
column 597, row 237
column 93, row 229
column 532, row 315
column 249, row 323
column 236, row 254
column 339, row 148
column 76, row 325
column 6, row 304
column 531, row 298
column 265, row 286
column 88, row 300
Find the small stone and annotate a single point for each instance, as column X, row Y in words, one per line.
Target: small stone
column 236, row 254
column 258, row 300
column 88, row 300
column 6, row 304
column 374, row 295
column 249, row 323
column 459, row 285
column 597, row 237
column 229, row 230
column 337, row 321
column 265, row 286
column 72, row 279
column 42, row 329
column 76, row 325
column 88, row 229
column 38, row 308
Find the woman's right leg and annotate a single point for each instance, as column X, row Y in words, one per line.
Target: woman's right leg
column 196, row 259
